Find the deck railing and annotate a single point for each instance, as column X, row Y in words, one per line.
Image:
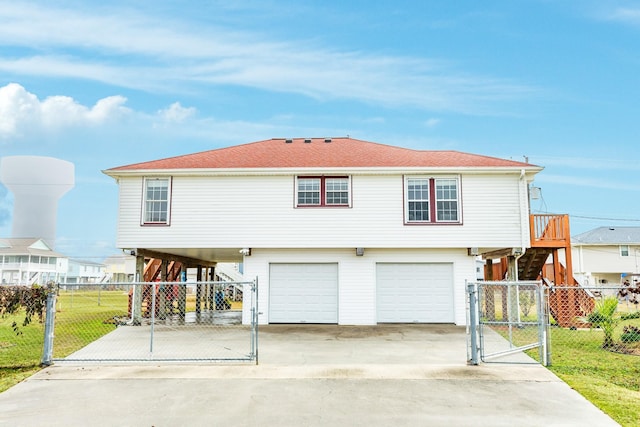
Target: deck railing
column 548, row 230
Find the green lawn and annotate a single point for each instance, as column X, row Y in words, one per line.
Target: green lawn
column 81, row 318
column 610, row 380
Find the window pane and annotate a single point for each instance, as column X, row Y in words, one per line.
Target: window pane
column 337, row 191
column 157, row 201
column 447, row 211
column 418, row 211
column 308, row 191
column 418, row 199
column 447, row 200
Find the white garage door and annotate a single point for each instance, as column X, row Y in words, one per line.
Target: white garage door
column 420, row 292
column 303, row 293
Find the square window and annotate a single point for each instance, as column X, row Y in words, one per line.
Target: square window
column 432, row 200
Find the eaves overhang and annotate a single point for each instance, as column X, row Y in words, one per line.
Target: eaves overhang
column 480, row 170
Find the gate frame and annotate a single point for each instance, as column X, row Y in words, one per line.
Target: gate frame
column 476, row 324
column 48, row 345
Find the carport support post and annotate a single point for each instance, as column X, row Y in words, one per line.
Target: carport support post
column 138, row 288
column 472, row 291
column 182, row 293
column 198, row 290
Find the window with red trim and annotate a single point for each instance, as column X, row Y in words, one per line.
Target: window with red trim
column 432, row 200
column 323, row 191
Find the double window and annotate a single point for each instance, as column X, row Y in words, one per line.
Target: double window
column 323, row 191
column 157, row 201
column 432, row 200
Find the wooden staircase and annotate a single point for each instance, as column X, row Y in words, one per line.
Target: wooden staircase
column 550, row 234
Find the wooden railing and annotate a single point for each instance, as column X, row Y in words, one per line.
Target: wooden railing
column 551, row 231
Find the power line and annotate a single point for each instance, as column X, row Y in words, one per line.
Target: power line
column 604, row 219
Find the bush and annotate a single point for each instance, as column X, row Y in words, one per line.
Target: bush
column 630, row 333
column 13, row 298
column 629, row 316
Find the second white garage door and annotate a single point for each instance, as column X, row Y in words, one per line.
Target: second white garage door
column 414, row 292
column 303, row 293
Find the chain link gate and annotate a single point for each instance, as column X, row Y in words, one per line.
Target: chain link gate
column 159, row 321
column 507, row 318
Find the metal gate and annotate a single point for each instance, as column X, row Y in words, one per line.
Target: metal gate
column 159, row 321
column 505, row 319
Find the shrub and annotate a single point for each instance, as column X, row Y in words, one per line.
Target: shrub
column 13, row 298
column 604, row 316
column 630, row 333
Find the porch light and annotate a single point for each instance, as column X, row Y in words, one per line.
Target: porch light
column 359, row 251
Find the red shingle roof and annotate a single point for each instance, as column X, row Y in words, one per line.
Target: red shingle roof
column 318, row 152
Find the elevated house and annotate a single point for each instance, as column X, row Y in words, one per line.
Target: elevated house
column 337, row 230
column 26, row 261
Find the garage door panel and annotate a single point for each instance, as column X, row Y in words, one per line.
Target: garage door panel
column 303, row 293
column 414, row 292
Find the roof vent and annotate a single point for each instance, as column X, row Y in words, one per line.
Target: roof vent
column 288, row 141
column 307, row 141
column 327, row 140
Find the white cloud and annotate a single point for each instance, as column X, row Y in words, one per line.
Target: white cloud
column 628, row 15
column 176, row 113
column 22, row 111
column 169, row 55
column 432, row 122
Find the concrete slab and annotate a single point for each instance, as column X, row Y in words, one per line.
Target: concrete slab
column 410, row 375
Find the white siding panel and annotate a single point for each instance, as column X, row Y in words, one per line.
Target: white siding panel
column 259, row 212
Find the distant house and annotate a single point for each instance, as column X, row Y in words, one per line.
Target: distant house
column 30, row 261
column 120, row 268
column 337, row 230
column 606, row 256
column 82, row 271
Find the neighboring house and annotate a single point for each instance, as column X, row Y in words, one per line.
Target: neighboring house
column 30, row 261
column 606, row 256
column 120, row 268
column 81, row 271
column 336, row 230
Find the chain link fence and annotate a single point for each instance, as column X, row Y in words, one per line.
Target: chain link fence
column 606, row 317
column 160, row 321
column 22, row 311
column 507, row 319
column 522, row 322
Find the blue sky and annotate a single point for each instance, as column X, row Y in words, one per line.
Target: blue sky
column 104, row 84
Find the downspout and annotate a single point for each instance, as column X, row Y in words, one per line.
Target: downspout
column 524, row 203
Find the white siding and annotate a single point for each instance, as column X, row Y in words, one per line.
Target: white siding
column 357, row 277
column 259, row 212
column 605, row 259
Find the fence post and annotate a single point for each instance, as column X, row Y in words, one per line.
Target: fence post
column 473, row 322
column 546, row 339
column 47, row 351
column 254, row 319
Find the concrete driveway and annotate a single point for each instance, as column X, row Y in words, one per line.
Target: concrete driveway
column 402, row 375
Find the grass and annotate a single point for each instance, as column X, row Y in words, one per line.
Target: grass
column 610, row 380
